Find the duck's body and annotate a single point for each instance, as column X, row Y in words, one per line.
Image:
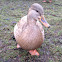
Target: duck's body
column 28, row 32
column 29, row 36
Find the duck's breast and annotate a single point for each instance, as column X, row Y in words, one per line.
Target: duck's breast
column 31, row 38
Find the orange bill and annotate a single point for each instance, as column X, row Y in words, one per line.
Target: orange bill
column 44, row 22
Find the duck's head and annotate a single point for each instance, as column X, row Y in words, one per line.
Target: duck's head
column 36, row 12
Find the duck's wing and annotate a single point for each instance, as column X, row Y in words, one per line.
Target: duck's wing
column 20, row 25
column 22, row 22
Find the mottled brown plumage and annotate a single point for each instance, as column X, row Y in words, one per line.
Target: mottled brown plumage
column 28, row 32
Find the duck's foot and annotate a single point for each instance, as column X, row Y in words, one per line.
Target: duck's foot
column 34, row 52
column 18, row 46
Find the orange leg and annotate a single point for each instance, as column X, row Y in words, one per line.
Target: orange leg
column 34, row 52
column 18, row 46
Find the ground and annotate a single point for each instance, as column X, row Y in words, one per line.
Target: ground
column 10, row 13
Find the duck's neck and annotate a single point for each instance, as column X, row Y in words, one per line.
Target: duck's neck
column 30, row 20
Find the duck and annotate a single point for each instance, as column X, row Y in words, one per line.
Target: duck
column 28, row 31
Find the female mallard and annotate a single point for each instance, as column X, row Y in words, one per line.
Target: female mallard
column 28, row 32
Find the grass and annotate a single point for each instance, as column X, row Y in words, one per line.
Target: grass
column 10, row 13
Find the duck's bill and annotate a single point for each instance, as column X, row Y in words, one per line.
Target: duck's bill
column 44, row 22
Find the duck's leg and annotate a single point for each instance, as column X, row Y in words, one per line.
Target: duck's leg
column 34, row 52
column 18, row 46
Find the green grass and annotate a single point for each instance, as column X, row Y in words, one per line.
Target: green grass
column 10, row 13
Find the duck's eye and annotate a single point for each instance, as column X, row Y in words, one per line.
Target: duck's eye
column 36, row 10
